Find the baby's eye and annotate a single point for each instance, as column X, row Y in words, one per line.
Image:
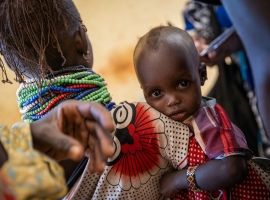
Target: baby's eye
column 183, row 84
column 156, row 93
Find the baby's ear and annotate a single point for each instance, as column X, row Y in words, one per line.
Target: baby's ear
column 203, row 73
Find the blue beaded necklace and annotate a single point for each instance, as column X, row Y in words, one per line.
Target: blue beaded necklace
column 79, row 83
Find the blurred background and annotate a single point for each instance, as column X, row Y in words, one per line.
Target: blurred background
column 114, row 28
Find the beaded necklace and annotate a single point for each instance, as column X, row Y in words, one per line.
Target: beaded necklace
column 35, row 101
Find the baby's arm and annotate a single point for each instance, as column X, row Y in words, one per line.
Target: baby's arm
column 213, row 175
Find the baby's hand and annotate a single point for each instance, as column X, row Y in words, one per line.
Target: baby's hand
column 169, row 184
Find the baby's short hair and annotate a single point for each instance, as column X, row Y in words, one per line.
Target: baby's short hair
column 158, row 36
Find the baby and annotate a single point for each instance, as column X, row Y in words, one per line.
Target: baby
column 170, row 74
column 148, row 144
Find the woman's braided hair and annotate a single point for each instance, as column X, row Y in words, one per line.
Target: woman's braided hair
column 27, row 29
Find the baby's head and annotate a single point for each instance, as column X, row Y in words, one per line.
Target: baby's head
column 41, row 36
column 168, row 68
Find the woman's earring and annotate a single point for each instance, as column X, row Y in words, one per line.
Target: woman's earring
column 87, row 57
column 84, row 27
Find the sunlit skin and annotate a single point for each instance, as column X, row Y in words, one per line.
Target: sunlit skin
column 171, row 80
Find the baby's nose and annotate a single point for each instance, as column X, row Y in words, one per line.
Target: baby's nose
column 173, row 100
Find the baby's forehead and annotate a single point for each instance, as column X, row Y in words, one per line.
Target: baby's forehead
column 166, row 58
column 172, row 49
column 172, row 43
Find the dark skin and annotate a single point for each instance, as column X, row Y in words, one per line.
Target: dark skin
column 76, row 49
column 70, row 129
column 74, row 44
column 211, row 176
column 176, row 93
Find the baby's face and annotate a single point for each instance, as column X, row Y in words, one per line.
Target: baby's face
column 170, row 82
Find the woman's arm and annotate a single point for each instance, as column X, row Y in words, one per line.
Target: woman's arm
column 213, row 175
column 3, row 155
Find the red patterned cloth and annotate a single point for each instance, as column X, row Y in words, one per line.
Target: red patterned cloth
column 254, row 187
column 216, row 137
column 196, row 156
column 149, row 144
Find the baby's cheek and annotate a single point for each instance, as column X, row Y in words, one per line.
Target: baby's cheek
column 158, row 105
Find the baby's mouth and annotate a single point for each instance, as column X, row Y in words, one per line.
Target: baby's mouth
column 177, row 116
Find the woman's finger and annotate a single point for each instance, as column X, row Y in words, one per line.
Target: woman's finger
column 60, row 146
column 97, row 112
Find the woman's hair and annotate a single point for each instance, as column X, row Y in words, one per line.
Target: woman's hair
column 28, row 29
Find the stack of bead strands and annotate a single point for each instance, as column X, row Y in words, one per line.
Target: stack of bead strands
column 36, row 100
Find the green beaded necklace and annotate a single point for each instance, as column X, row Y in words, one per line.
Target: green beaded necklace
column 35, row 100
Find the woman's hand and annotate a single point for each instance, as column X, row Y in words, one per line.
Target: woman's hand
column 220, row 48
column 73, row 128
